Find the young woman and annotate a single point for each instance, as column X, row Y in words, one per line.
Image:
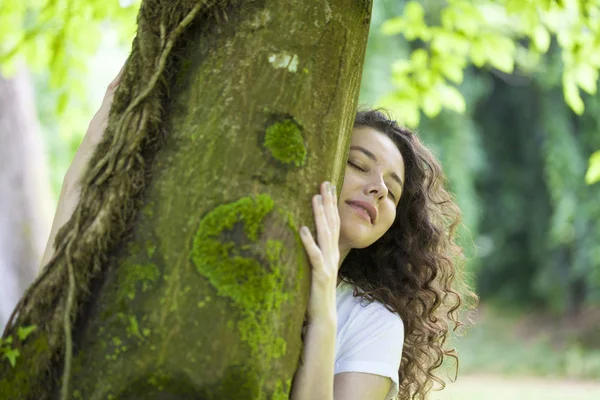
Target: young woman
column 384, row 265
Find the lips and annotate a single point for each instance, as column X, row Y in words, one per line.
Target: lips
column 365, row 206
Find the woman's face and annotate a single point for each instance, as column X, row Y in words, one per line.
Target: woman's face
column 372, row 187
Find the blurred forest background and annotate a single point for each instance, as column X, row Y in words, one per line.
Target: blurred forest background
column 511, row 129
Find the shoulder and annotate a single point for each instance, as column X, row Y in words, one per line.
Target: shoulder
column 375, row 317
column 356, row 313
column 366, row 324
column 369, row 339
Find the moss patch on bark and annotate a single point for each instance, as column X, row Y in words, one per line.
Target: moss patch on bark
column 285, row 142
column 250, row 275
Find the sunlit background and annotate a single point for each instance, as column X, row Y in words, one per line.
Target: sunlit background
column 514, row 132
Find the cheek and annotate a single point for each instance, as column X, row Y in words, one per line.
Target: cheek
column 388, row 219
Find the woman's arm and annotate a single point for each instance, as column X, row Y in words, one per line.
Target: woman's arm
column 69, row 193
column 314, row 378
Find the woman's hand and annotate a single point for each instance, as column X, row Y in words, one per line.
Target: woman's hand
column 324, row 254
column 92, row 136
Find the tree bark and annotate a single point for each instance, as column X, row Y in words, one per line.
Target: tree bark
column 25, row 198
column 206, row 295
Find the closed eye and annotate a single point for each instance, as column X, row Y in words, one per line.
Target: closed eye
column 356, row 166
column 390, row 193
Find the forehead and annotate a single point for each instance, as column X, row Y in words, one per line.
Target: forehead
column 380, row 145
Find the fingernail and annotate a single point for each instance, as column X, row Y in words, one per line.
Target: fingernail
column 319, row 199
column 328, row 186
column 333, row 190
column 303, row 230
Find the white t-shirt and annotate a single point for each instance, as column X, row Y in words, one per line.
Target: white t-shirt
column 369, row 337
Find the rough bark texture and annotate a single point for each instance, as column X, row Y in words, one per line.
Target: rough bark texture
column 24, row 192
column 205, row 297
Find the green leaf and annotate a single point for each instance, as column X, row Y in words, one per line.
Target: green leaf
column 541, row 39
column 23, row 332
column 11, row 355
column 587, row 77
column 503, row 61
column 414, row 11
column 431, row 104
column 61, row 103
column 401, row 67
column 593, row 173
column 451, row 66
column 393, row 26
column 452, row 98
column 478, row 53
column 419, row 59
column 404, row 108
column 571, row 93
column 501, row 52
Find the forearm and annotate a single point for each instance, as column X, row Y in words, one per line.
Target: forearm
column 69, row 194
column 67, row 201
column 314, row 378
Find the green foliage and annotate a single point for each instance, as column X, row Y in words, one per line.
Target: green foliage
column 593, row 173
column 498, row 34
column 6, row 345
column 56, row 39
column 490, row 33
column 8, row 351
column 499, row 344
column 515, row 158
column 59, row 36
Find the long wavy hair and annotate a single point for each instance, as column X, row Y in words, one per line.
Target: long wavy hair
column 415, row 268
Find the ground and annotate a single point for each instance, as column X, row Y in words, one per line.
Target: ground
column 496, row 387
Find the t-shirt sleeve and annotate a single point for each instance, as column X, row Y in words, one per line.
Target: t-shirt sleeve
column 372, row 344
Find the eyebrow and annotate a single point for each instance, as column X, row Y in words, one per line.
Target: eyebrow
column 372, row 157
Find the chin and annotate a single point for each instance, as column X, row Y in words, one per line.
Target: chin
column 356, row 237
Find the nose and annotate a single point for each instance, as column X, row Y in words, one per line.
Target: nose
column 376, row 188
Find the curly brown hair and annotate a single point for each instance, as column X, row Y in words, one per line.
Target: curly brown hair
column 415, row 268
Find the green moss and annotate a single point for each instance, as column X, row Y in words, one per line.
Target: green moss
column 133, row 328
column 282, row 390
column 151, row 249
column 285, row 143
column 19, row 382
column 255, row 290
column 148, row 210
column 134, row 275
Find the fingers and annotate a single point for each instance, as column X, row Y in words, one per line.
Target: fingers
column 322, row 270
column 321, row 224
column 327, row 223
column 101, row 117
column 326, row 216
column 115, row 83
column 328, row 191
column 314, row 253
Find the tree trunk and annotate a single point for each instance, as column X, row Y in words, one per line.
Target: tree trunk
column 24, row 192
column 205, row 297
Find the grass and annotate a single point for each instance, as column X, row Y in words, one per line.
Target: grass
column 522, row 345
column 500, row 388
column 519, row 356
